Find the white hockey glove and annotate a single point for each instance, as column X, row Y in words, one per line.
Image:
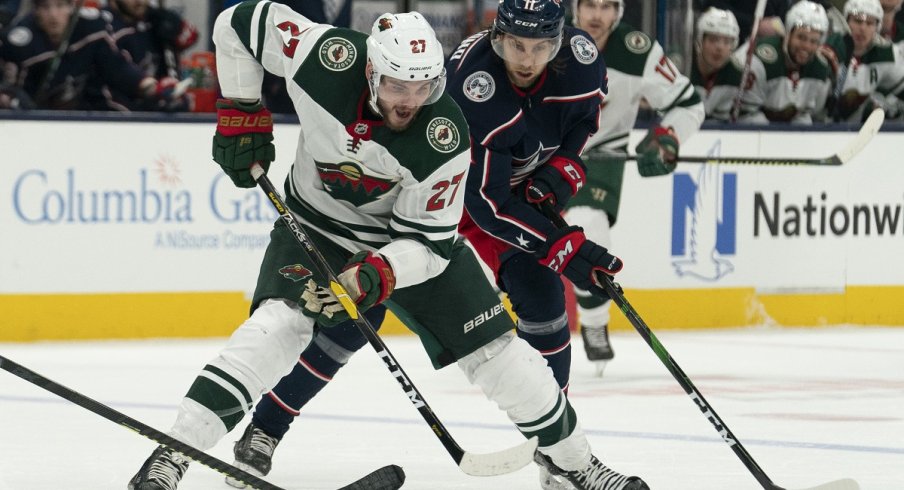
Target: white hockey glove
column 321, row 304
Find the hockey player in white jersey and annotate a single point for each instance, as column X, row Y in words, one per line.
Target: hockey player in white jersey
column 637, row 67
column 797, row 80
column 381, row 154
column 717, row 69
column 870, row 68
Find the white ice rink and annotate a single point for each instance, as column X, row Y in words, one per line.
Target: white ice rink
column 810, row 405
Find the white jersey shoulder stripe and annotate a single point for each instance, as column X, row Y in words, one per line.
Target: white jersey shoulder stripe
column 573, row 98
column 256, row 24
column 511, row 122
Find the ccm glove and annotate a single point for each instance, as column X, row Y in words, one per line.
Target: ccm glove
column 657, row 153
column 557, row 181
column 568, row 252
column 244, row 136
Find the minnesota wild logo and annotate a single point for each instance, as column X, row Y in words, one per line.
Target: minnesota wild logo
column 385, row 23
column 443, row 135
column 337, row 53
column 295, row 272
column 347, row 181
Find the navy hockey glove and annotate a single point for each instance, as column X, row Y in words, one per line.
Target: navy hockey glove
column 244, row 136
column 657, row 153
column 557, row 181
column 568, row 252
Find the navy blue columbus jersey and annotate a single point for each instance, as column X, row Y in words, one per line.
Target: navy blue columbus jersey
column 91, row 63
column 515, row 131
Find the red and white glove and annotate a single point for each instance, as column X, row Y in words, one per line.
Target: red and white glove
column 368, row 278
column 556, row 181
column 568, row 252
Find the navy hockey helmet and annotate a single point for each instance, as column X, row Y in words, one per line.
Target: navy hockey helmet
column 535, row 19
column 530, row 18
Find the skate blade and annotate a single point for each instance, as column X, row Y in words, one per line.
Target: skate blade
column 599, row 367
column 232, row 482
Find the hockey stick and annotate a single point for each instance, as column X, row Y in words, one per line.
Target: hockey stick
column 611, row 290
column 498, row 463
column 748, row 60
column 40, row 94
column 386, row 478
column 869, row 129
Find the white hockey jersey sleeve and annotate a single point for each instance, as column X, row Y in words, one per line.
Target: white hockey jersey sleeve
column 253, row 36
column 667, row 89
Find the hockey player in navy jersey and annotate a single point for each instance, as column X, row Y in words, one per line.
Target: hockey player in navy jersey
column 531, row 91
column 382, row 159
column 82, row 74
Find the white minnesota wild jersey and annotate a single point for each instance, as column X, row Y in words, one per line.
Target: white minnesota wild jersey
column 878, row 73
column 797, row 96
column 719, row 90
column 637, row 67
column 354, row 180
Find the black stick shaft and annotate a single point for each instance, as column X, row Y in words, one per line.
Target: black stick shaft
column 611, row 290
column 362, row 322
column 135, row 425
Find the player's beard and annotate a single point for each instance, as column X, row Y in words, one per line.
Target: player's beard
column 398, row 118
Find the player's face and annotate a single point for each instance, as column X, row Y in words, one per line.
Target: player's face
column 802, row 45
column 52, row 17
column 526, row 58
column 597, row 17
column 715, row 50
column 133, row 8
column 400, row 100
column 863, row 30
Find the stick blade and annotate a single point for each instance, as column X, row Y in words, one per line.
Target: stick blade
column 501, row 462
column 869, row 129
column 844, row 484
column 386, row 478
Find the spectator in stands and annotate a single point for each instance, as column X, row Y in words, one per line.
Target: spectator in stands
column 152, row 39
column 76, row 79
column 870, row 68
column 795, row 81
column 716, row 72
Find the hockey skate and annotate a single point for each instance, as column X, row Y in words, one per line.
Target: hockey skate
column 161, row 471
column 253, row 453
column 597, row 346
column 594, row 476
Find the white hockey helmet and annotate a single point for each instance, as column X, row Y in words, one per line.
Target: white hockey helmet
column 717, row 21
column 810, row 15
column 621, row 10
column 405, row 47
column 869, row 8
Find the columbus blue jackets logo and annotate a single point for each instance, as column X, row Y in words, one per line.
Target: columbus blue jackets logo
column 337, row 54
column 443, row 135
column 584, row 50
column 295, row 272
column 479, row 86
column 347, row 181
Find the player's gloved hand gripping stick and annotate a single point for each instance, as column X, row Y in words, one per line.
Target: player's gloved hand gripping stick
column 497, row 463
column 605, row 287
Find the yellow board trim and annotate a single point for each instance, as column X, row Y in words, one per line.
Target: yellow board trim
column 31, row 317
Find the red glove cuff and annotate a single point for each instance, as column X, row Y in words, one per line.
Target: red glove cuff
column 571, row 171
column 563, row 250
column 233, row 122
column 387, row 277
